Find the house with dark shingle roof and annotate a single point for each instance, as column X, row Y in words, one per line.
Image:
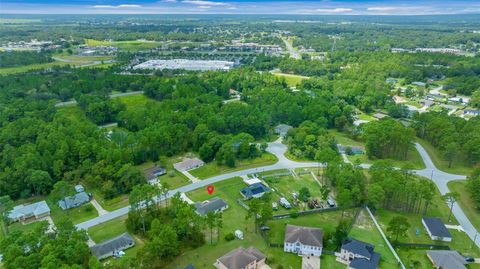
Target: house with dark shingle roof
column 446, row 259
column 359, row 255
column 255, row 190
column 436, row 229
column 113, row 246
column 282, row 129
column 303, row 240
column 214, row 205
column 241, row 258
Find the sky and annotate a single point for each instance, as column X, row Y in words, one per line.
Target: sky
column 310, row 7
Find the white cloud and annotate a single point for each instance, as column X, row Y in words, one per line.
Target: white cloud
column 168, row 1
column 119, row 6
column 381, row 8
column 334, row 10
column 204, row 3
column 204, row 7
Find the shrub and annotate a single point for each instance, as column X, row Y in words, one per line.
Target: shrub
column 229, row 237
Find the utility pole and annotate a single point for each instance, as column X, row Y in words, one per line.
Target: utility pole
column 474, row 239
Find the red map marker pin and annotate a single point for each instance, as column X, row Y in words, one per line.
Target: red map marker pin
column 210, row 189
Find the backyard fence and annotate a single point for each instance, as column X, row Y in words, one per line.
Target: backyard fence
column 312, row 211
column 421, row 246
column 242, row 204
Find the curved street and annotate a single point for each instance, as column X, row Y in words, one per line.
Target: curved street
column 430, row 171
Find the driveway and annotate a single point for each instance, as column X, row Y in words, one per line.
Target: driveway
column 310, row 262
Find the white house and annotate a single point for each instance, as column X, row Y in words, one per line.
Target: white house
column 303, row 240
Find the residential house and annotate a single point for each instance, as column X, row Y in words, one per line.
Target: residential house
column 188, row 164
column 75, row 200
column 358, row 255
column 251, row 181
column 255, row 190
column 79, row 188
column 356, row 150
column 446, row 259
column 23, row 212
column 214, row 205
column 436, row 229
column 241, row 258
column 471, row 112
column 112, row 247
column 154, row 172
column 303, row 240
column 282, row 129
column 420, row 84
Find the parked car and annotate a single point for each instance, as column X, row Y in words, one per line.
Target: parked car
column 274, row 206
column 331, row 202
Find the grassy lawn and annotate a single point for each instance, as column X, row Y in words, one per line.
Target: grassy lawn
column 18, row 226
column 233, row 219
column 417, row 257
column 329, row 262
column 458, row 166
column 327, row 221
column 107, row 230
column 212, row 169
column 285, row 185
column 290, row 79
column 135, row 101
column 76, row 215
column 130, row 45
column 31, row 67
column 466, row 202
column 414, row 159
column 173, row 178
column 110, row 204
column 365, row 230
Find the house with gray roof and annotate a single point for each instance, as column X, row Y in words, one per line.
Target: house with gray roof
column 359, row 255
column 471, row 112
column 436, row 229
column 75, row 200
column 155, row 172
column 241, row 258
column 303, row 240
column 79, row 188
column 188, row 164
column 446, row 259
column 23, row 212
column 282, row 129
column 112, row 247
column 214, row 205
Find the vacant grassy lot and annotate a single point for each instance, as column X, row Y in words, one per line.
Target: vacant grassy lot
column 365, row 230
column 30, row 67
column 135, row 101
column 110, row 204
column 212, row 169
column 107, row 230
column 130, row 45
column 291, row 80
column 466, row 202
column 458, row 165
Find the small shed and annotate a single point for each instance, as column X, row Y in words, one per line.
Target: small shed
column 239, row 234
column 79, row 188
column 436, row 229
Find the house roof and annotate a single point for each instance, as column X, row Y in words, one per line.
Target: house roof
column 447, row 259
column 30, row 210
column 436, row 227
column 305, row 235
column 239, row 258
column 155, row 172
column 79, row 188
column 360, row 263
column 211, row 205
column 187, row 164
column 282, row 129
column 359, row 248
column 254, row 189
column 74, row 200
column 471, row 111
column 117, row 243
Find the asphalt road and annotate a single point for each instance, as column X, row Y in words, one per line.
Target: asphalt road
column 439, row 177
column 293, row 53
